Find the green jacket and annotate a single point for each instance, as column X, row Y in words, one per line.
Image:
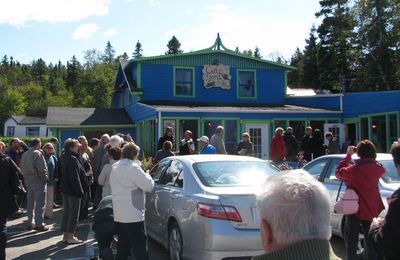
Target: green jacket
column 305, row 250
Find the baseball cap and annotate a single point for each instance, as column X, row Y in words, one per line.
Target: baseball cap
column 203, row 139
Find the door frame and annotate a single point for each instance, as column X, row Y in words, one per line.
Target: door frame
column 264, row 126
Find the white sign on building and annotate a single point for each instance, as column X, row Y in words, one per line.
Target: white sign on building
column 216, row 76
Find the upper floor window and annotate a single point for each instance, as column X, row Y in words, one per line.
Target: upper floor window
column 32, row 131
column 10, row 130
column 246, row 84
column 184, row 82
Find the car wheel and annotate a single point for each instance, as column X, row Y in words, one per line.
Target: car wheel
column 175, row 242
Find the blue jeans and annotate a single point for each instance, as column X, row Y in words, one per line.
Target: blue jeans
column 132, row 236
column 36, row 200
column 3, row 237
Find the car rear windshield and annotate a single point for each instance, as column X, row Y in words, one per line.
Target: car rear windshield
column 391, row 175
column 230, row 174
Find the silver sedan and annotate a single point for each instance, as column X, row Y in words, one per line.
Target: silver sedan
column 203, row 206
column 324, row 167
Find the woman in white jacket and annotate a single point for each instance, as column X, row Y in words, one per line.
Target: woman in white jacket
column 104, row 178
column 128, row 185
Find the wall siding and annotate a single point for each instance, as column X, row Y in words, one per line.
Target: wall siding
column 364, row 103
column 157, row 84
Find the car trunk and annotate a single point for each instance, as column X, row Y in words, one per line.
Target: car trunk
column 244, row 200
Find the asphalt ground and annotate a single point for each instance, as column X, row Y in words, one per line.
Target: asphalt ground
column 32, row 245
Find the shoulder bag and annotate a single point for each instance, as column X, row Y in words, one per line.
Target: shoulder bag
column 347, row 204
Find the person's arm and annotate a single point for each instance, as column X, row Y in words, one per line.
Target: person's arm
column 343, row 171
column 74, row 178
column 13, row 179
column 142, row 179
column 251, row 150
column 41, row 166
column 191, row 148
column 272, row 149
column 385, row 235
column 221, row 146
column 103, row 174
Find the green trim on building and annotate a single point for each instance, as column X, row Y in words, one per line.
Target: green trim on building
column 193, row 82
column 238, row 84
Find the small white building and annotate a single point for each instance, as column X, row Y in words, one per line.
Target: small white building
column 25, row 126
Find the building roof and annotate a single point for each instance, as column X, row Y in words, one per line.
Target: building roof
column 217, row 47
column 243, row 109
column 29, row 120
column 72, row 116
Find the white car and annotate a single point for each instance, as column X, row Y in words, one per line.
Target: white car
column 203, row 206
column 324, row 167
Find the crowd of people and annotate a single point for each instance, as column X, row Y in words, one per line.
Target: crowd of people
column 106, row 174
column 83, row 175
column 284, row 145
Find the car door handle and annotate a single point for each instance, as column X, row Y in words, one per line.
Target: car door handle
column 173, row 197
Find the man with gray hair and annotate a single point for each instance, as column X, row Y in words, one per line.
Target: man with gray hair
column 217, row 140
column 295, row 218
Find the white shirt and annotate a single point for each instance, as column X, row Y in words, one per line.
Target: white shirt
column 128, row 186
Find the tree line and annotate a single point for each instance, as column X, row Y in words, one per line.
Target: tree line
column 355, row 48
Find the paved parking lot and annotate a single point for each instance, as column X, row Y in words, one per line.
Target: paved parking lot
column 32, row 245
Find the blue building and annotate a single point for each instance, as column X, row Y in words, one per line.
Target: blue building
column 202, row 89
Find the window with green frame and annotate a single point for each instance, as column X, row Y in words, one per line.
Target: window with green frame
column 246, row 84
column 184, row 82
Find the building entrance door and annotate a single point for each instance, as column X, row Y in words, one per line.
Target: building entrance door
column 259, row 138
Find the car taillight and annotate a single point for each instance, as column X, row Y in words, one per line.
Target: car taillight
column 218, row 211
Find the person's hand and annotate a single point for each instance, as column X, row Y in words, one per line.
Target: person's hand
column 377, row 222
column 351, row 150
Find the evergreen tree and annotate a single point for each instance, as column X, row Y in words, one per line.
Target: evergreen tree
column 257, row 53
column 335, row 34
column 39, row 71
column 138, row 51
column 4, row 61
column 295, row 76
column 109, row 53
column 174, row 46
column 376, row 68
column 73, row 81
column 310, row 77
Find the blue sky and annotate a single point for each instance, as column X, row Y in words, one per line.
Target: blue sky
column 58, row 29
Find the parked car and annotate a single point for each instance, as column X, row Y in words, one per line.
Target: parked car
column 203, row 206
column 324, row 167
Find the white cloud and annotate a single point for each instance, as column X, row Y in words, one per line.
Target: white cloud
column 189, row 11
column 109, row 33
column 238, row 28
column 20, row 12
column 84, row 31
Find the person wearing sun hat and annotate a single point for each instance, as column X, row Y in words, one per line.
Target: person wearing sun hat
column 206, row 148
